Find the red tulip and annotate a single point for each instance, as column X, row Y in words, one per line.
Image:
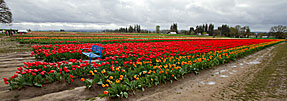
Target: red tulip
column 35, row 70
column 20, row 68
column 52, row 71
column 33, row 74
column 18, row 72
column 106, row 92
column 65, row 68
column 71, row 76
column 5, row 79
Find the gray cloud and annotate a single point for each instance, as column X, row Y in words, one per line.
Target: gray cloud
column 260, row 15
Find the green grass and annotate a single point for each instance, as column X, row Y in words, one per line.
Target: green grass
column 1, row 34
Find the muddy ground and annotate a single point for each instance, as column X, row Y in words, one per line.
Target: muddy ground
column 9, row 45
column 260, row 76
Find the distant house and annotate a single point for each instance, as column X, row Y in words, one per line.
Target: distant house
column 171, row 33
column 164, row 31
column 22, row 32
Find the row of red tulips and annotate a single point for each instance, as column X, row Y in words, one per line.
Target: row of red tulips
column 138, row 51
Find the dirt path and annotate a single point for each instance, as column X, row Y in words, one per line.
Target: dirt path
column 269, row 83
column 223, row 82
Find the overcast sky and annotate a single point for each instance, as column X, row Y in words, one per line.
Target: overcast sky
column 260, row 15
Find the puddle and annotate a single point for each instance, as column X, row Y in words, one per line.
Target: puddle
column 221, row 71
column 233, row 66
column 254, row 62
column 202, row 82
column 19, row 58
column 223, row 76
column 208, row 83
column 211, row 83
column 216, row 73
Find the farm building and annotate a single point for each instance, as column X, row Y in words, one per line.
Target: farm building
column 9, row 32
column 22, row 32
column 171, row 33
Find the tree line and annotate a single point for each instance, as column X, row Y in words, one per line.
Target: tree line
column 131, row 29
column 279, row 31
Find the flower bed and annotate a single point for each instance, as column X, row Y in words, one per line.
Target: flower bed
column 126, row 67
column 139, row 50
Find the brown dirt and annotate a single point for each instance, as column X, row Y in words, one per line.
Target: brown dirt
column 218, row 83
column 268, row 83
column 8, row 45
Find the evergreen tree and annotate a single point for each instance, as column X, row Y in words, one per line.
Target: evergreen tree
column 210, row 29
column 191, row 30
column 206, row 28
column 203, row 26
column 139, row 29
column 157, row 29
column 130, row 30
column 225, row 30
column 173, row 28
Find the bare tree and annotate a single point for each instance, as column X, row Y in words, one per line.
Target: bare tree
column 238, row 28
column 5, row 13
column 233, row 31
column 242, row 31
column 279, row 31
column 279, row 28
column 247, row 31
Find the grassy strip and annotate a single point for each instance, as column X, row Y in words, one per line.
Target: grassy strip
column 10, row 50
column 7, row 46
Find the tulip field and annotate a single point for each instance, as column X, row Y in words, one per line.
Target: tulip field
column 127, row 65
column 78, row 38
